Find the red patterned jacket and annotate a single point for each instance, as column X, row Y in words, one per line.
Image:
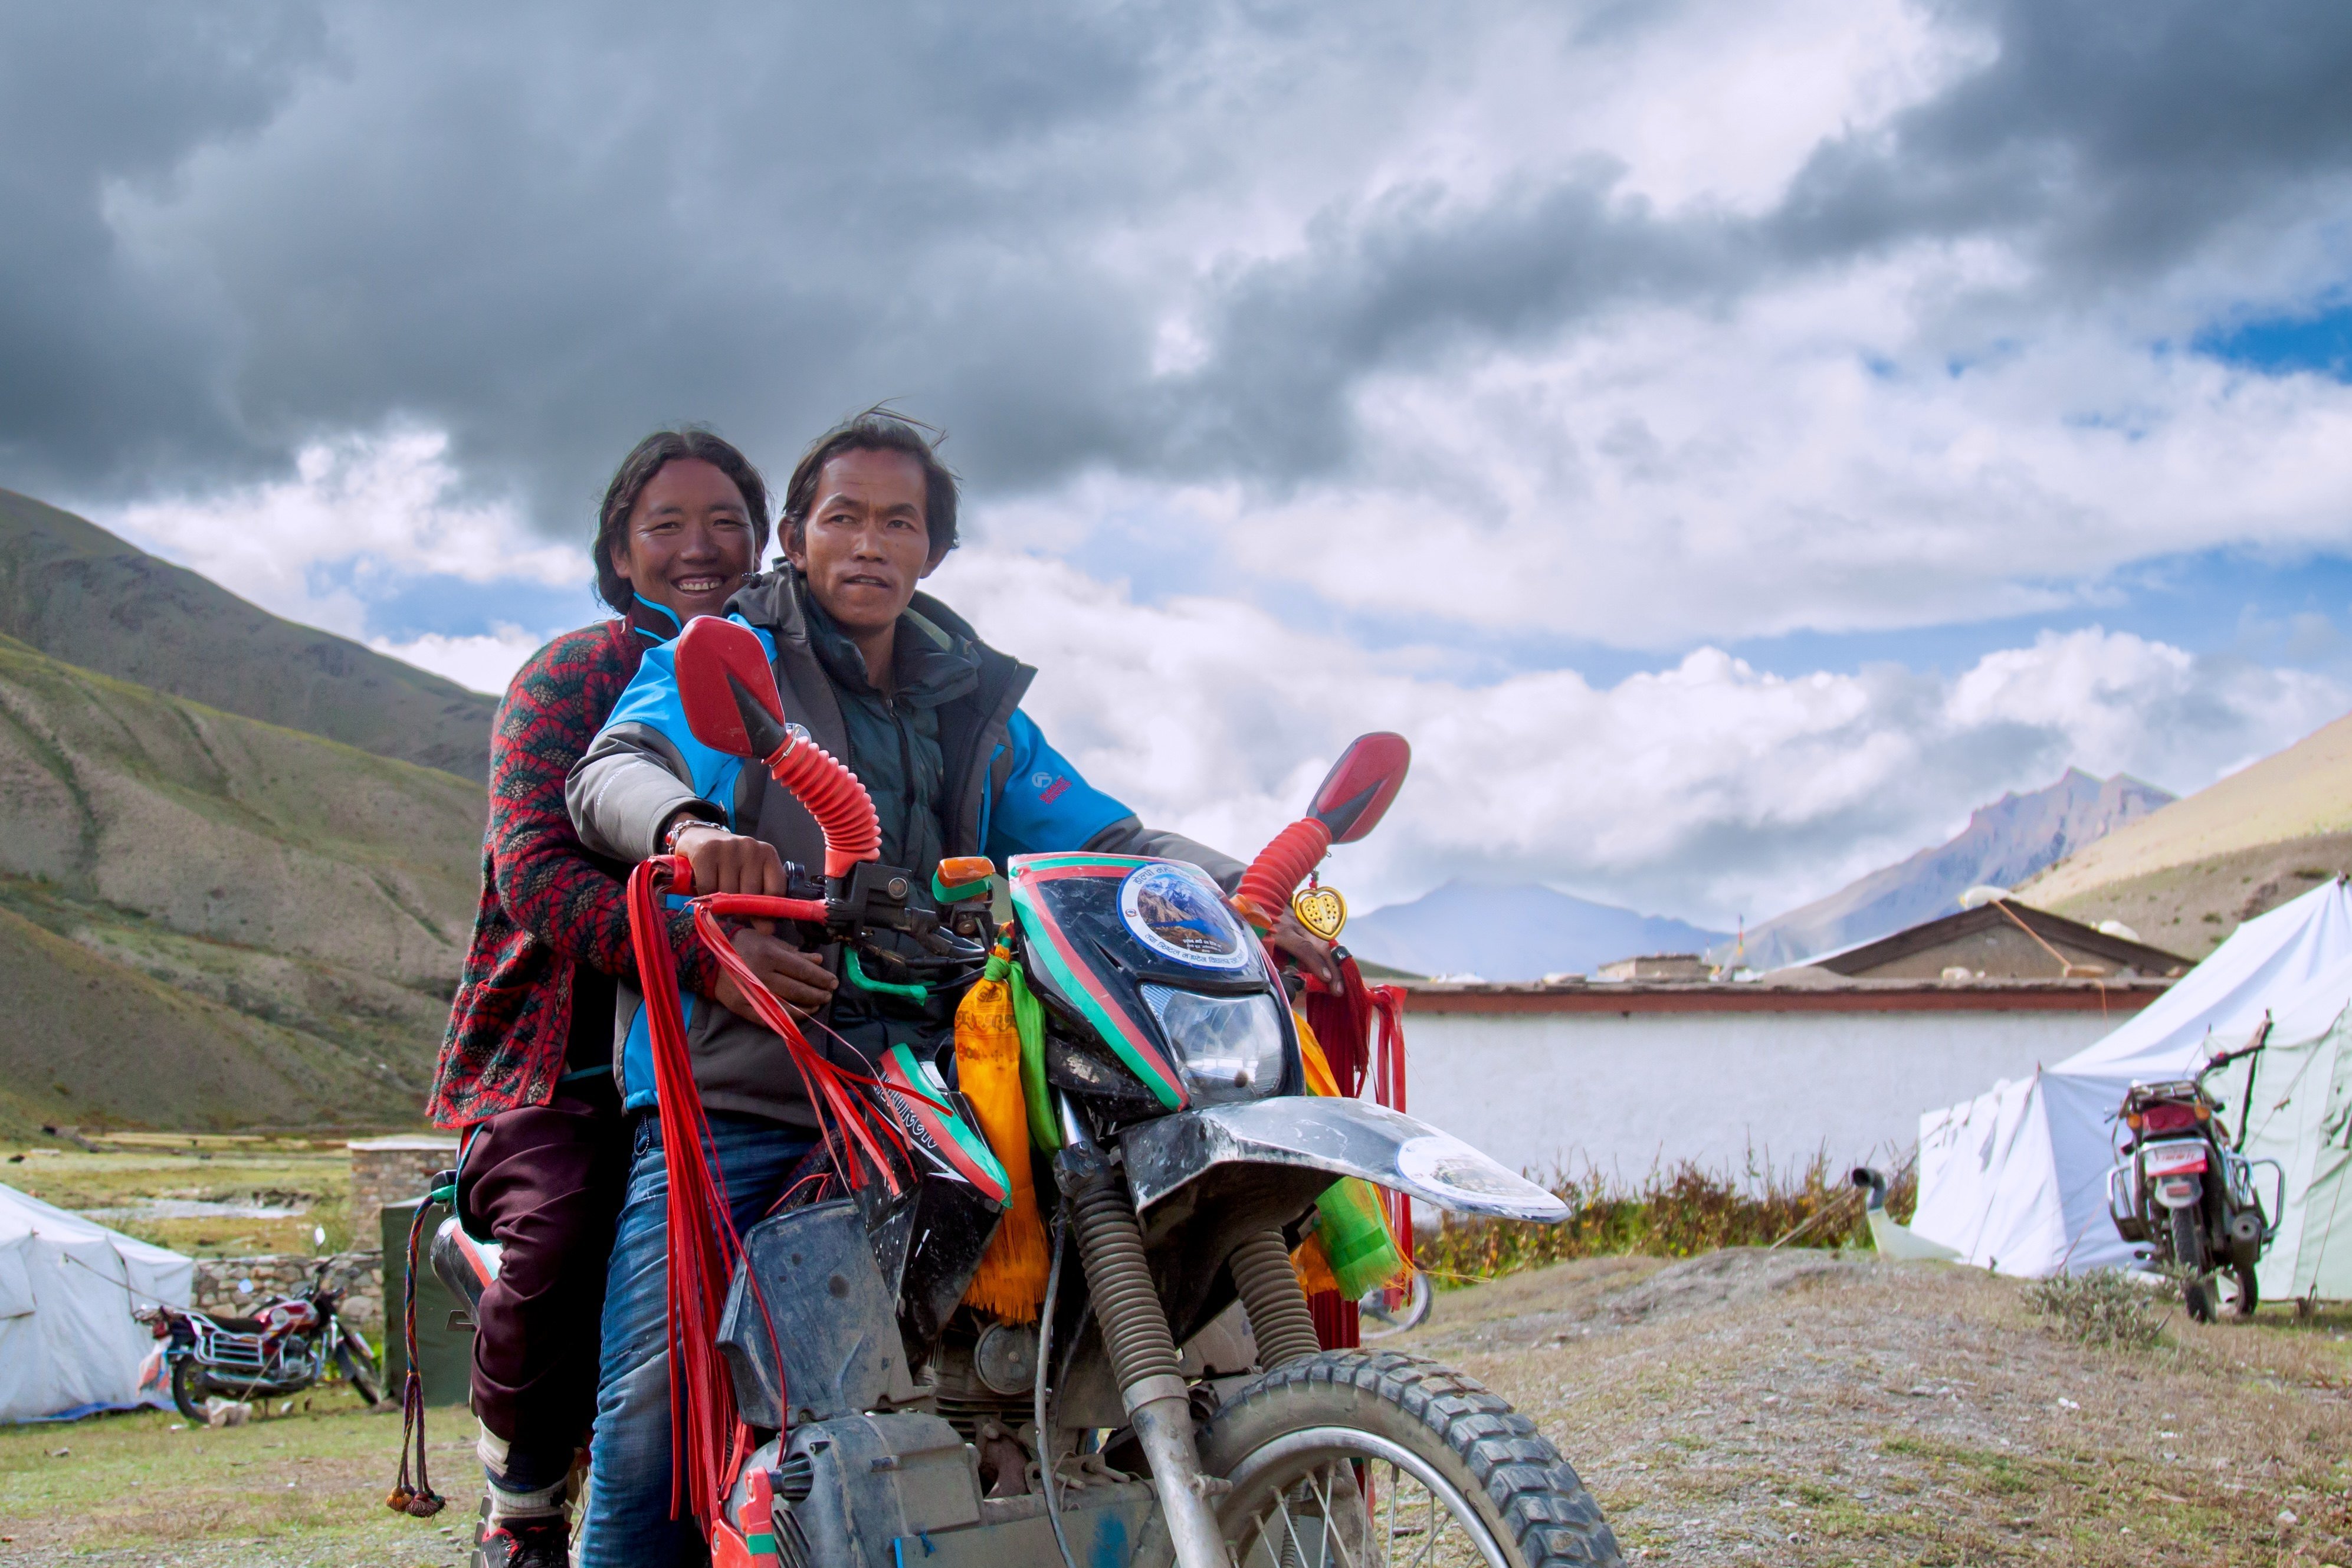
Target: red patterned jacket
column 547, row 904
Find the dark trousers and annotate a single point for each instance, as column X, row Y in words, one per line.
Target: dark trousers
column 545, row 1183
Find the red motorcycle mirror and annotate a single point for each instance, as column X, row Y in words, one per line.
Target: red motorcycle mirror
column 1354, row 794
column 727, row 688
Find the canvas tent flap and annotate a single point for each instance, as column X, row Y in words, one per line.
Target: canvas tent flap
column 2298, row 1105
column 15, row 1286
column 2035, row 1201
column 78, row 1345
column 1984, row 1183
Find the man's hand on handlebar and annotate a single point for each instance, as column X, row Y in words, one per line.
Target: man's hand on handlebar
column 799, row 981
column 1307, row 950
column 728, row 862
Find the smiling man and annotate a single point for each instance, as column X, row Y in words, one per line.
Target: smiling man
column 898, row 686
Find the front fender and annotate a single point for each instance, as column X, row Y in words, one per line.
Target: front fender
column 1341, row 1137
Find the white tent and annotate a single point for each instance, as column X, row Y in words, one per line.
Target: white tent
column 67, row 1288
column 2016, row 1179
column 2297, row 1100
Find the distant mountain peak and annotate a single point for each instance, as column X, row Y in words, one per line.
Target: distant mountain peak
column 2003, row 844
column 1513, row 932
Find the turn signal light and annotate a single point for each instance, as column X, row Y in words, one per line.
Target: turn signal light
column 960, row 877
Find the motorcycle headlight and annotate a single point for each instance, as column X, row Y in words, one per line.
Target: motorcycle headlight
column 1227, row 1047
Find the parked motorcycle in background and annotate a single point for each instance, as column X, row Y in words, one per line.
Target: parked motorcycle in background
column 283, row 1349
column 2181, row 1187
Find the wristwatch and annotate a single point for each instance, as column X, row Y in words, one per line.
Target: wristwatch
column 678, row 823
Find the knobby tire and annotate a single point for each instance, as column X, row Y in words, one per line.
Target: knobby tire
column 2188, row 1251
column 1525, row 1494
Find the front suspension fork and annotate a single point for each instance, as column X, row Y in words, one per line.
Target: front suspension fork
column 1142, row 1348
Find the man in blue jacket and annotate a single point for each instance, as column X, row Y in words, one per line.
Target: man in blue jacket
column 896, row 686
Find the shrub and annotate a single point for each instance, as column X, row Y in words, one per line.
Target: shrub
column 1674, row 1212
column 2104, row 1307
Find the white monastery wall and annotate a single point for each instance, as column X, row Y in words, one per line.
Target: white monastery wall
column 1561, row 1091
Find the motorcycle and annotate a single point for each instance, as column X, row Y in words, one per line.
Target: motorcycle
column 1395, row 1309
column 283, row 1349
column 1171, row 1402
column 2182, row 1186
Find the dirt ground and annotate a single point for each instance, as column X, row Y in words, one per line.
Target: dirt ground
column 1806, row 1407
column 1742, row 1407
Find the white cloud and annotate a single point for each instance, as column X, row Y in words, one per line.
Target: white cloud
column 1828, row 418
column 1833, row 454
column 1707, row 789
column 483, row 662
column 358, row 511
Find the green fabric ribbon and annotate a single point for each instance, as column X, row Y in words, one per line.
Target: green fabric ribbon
column 1029, row 1017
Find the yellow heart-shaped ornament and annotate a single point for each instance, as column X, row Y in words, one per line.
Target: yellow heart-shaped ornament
column 1321, row 910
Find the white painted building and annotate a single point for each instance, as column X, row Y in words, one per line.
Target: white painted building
column 1626, row 1076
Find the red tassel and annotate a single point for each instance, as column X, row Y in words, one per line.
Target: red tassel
column 709, row 1440
column 702, row 1243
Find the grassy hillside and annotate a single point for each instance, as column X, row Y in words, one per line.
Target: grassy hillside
column 76, row 593
column 2185, row 876
column 2191, row 909
column 206, row 921
column 91, row 1041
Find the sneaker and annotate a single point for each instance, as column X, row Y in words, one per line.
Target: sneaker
column 543, row 1542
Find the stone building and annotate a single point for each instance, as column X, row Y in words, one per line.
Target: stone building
column 386, row 1171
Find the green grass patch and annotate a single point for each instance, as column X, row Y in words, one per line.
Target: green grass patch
column 2104, row 1307
column 310, row 1483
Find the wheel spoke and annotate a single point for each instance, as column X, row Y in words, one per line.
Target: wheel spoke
column 1295, row 1557
column 1309, row 1482
column 1429, row 1532
column 1332, row 1538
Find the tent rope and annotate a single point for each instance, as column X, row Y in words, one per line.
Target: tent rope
column 2063, row 963
column 122, row 1285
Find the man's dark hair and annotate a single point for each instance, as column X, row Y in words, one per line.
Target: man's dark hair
column 879, row 429
column 638, row 470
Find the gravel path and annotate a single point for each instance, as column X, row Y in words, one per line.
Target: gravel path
column 1795, row 1408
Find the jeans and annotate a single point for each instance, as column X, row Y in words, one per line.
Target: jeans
column 629, row 1523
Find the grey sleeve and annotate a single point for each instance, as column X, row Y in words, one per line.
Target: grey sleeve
column 625, row 790
column 1128, row 836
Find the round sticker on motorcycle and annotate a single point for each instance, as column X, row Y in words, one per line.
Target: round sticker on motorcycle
column 1176, row 913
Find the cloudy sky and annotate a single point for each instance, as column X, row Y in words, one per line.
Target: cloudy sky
column 1731, row 439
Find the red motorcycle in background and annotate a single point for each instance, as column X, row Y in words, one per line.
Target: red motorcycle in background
column 284, row 1348
column 2181, row 1185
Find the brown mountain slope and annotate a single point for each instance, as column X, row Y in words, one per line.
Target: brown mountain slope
column 302, row 905
column 93, row 1042
column 2185, row 876
column 76, row 593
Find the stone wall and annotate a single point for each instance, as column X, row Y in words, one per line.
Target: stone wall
column 235, row 1286
column 386, row 1171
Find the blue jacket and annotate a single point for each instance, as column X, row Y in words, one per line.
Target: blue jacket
column 1004, row 790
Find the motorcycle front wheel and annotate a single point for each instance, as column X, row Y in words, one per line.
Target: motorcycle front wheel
column 2240, row 1295
column 360, row 1373
column 1386, row 1311
column 1350, row 1460
column 190, row 1387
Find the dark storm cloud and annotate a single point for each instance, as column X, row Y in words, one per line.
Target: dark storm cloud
column 548, row 229
column 2111, row 142
column 2120, row 138
column 101, row 363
